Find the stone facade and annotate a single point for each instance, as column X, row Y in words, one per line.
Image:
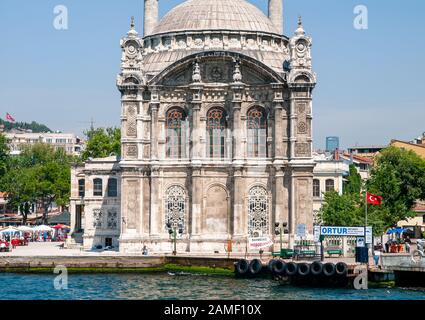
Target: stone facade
column 216, row 129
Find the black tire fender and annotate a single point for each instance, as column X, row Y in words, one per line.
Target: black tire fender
column 304, row 269
column 329, row 269
column 255, row 266
column 316, row 268
column 242, row 267
column 279, row 267
column 341, row 268
column 291, row 269
column 271, row 265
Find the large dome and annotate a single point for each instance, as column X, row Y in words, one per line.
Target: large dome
column 215, row 15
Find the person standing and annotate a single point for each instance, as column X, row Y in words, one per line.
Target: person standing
column 407, row 244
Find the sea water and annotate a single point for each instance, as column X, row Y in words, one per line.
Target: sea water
column 170, row 286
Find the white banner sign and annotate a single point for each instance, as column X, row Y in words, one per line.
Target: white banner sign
column 369, row 235
column 260, row 242
column 342, row 231
column 316, row 233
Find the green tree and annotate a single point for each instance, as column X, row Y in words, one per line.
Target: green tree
column 21, row 187
column 340, row 210
column 40, row 174
column 53, row 185
column 4, row 155
column 102, row 143
column 33, row 126
column 353, row 185
column 399, row 177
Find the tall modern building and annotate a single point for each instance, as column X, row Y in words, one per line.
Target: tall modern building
column 332, row 143
column 216, row 115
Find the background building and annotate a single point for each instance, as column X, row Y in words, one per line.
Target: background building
column 332, row 144
column 366, row 151
column 69, row 142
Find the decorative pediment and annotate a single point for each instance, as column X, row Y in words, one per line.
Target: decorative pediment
column 216, row 67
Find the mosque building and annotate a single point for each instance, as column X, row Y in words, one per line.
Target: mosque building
column 216, row 118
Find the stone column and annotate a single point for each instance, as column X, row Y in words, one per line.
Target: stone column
column 196, row 194
column 154, row 106
column 239, row 220
column 237, row 124
column 196, row 154
column 278, row 127
column 280, row 212
column 154, row 218
column 292, row 125
column 196, row 132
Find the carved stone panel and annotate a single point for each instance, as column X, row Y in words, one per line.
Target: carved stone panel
column 132, row 203
column 131, row 151
column 302, row 127
column 131, row 121
column 302, row 150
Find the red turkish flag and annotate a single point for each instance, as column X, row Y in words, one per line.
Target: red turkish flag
column 373, row 199
column 9, row 118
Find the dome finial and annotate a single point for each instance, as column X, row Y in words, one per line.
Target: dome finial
column 132, row 32
column 300, row 30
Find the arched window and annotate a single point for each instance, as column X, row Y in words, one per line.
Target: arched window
column 81, row 188
column 330, row 185
column 97, row 187
column 216, row 133
column 258, row 212
column 316, row 188
column 112, row 187
column 175, row 206
column 176, row 127
column 257, row 133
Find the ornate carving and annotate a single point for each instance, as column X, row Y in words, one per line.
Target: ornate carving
column 97, row 218
column 237, row 74
column 258, row 212
column 175, row 206
column 216, row 73
column 196, row 76
column 132, row 151
column 301, row 108
column 302, row 127
column 302, row 149
column 112, row 221
column 132, row 203
column 131, row 121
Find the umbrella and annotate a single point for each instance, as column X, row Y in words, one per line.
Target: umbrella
column 43, row 228
column 25, row 229
column 9, row 229
column 58, row 226
column 396, row 230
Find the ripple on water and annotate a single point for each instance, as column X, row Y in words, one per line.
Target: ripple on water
column 181, row 287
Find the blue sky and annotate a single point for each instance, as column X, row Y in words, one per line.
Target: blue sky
column 371, row 84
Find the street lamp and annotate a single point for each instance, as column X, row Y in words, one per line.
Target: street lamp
column 172, row 231
column 280, row 229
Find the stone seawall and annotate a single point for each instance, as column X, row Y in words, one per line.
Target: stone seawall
column 81, row 262
column 113, row 263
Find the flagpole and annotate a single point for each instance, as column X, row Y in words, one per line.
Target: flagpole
column 365, row 227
